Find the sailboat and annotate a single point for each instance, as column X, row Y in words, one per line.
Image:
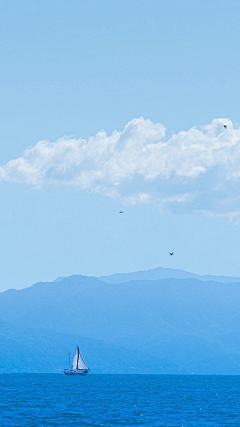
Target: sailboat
column 79, row 366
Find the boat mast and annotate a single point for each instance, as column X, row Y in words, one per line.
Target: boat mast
column 77, row 356
column 69, row 360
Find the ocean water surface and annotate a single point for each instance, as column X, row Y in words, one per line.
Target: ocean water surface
column 119, row 400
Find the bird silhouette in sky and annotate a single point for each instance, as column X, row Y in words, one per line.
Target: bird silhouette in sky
column 225, row 126
column 171, row 253
column 120, row 212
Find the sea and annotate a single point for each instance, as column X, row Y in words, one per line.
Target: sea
column 119, row 400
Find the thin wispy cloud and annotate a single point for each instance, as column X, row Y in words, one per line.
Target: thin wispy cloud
column 194, row 170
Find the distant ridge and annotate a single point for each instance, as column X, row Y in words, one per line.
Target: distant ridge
column 58, row 279
column 167, row 326
column 43, row 350
column 164, row 273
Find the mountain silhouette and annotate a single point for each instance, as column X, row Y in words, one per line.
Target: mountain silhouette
column 164, row 273
column 143, row 326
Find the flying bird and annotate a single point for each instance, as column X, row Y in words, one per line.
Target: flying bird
column 120, row 212
column 171, row 253
column 225, row 126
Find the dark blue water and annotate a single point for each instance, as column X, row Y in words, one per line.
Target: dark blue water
column 119, row 400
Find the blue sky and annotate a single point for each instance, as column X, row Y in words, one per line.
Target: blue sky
column 71, row 69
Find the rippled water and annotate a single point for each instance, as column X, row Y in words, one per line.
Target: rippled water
column 123, row 400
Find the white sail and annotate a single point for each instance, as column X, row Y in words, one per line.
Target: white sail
column 78, row 361
column 81, row 362
column 75, row 359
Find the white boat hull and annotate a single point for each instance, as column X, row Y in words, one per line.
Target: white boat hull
column 75, row 372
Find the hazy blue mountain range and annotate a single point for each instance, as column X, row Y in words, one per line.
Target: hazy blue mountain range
column 164, row 273
column 42, row 350
column 162, row 326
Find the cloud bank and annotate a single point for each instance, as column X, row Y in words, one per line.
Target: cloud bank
column 194, row 170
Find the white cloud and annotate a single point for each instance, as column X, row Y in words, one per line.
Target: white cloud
column 196, row 170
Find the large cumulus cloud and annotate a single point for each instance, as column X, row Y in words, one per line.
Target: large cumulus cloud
column 194, row 170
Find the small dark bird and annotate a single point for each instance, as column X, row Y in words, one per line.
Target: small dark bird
column 225, row 126
column 171, row 253
column 120, row 212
